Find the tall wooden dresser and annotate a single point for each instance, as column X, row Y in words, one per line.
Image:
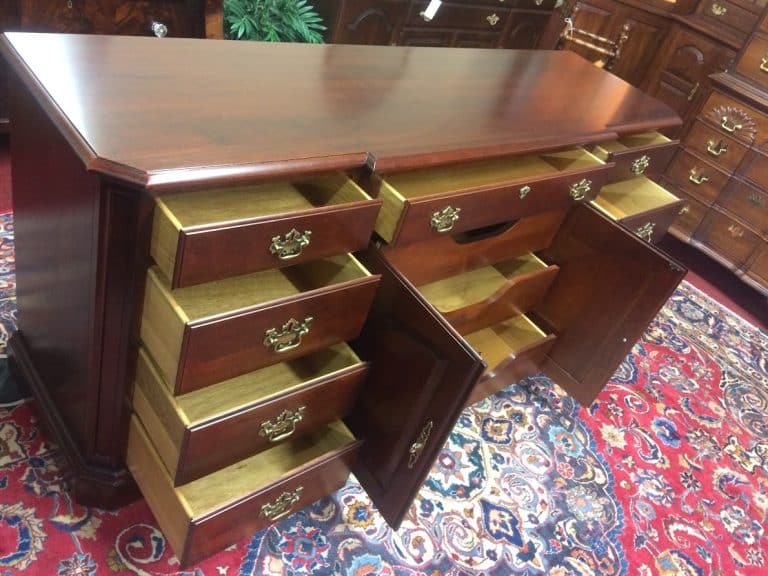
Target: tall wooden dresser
column 236, row 288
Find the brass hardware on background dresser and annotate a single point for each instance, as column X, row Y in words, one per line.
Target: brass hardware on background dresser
column 693, row 91
column 289, row 336
column 524, row 191
column 579, row 189
column 718, row 10
column 756, row 199
column 282, row 505
column 685, row 209
column 646, row 231
column 418, row 447
column 283, row 426
column 717, row 148
column 736, row 230
column 443, row 220
column 290, row 245
column 493, row 19
column 764, row 63
column 159, row 29
column 729, row 125
column 640, row 165
column 697, row 177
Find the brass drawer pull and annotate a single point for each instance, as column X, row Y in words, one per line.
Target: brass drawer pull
column 493, row 19
column 640, row 165
column 718, row 9
column 685, row 209
column 289, row 336
column 646, row 231
column 159, row 29
column 729, row 126
column 281, row 505
column 736, row 231
column 290, row 245
column 756, row 199
column 764, row 63
column 579, row 189
column 524, row 191
column 443, row 220
column 418, row 447
column 697, row 177
column 693, row 91
column 717, row 148
column 283, row 426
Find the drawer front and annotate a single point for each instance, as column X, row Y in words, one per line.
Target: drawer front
column 759, row 266
column 753, row 62
column 735, row 118
column 207, row 430
column 462, row 17
column 638, row 155
column 195, row 240
column 696, row 176
column 689, row 216
column 727, row 237
column 652, row 226
column 747, row 202
column 721, row 150
column 216, row 511
column 725, row 13
column 755, row 168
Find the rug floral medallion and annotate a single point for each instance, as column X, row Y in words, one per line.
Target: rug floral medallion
column 665, row 474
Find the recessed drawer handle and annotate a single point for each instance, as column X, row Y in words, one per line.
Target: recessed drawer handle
column 729, row 126
column 696, row 177
column 736, row 231
column 646, row 231
column 640, row 165
column 717, row 148
column 283, row 426
column 493, row 19
column 443, row 220
column 281, row 505
column 756, row 199
column 579, row 189
column 718, row 10
column 290, row 245
column 289, row 336
column 418, row 447
column 764, row 63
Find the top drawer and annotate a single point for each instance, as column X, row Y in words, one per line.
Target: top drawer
column 202, row 236
column 427, row 203
column 457, row 16
column 646, row 153
column 735, row 118
column 724, row 12
column 753, row 62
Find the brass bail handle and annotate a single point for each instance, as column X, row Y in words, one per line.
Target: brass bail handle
column 717, row 148
column 578, row 191
column 640, row 165
column 697, row 177
column 414, row 453
column 282, row 505
column 442, row 221
column 729, row 125
column 283, row 426
column 290, row 245
column 288, row 337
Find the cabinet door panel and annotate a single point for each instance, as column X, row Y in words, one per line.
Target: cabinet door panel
column 610, row 286
column 369, row 21
column 645, row 33
column 525, row 29
column 421, row 374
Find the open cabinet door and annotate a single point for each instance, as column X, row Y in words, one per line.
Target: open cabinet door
column 610, row 286
column 421, row 373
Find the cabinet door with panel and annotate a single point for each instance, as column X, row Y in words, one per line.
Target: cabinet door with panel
column 524, row 29
column 644, row 32
column 367, row 21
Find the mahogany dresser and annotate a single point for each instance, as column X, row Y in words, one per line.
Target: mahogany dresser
column 721, row 170
column 236, row 288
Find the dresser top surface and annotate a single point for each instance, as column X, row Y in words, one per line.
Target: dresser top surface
column 165, row 112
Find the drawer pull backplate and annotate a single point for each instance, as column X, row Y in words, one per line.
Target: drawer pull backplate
column 443, row 220
column 717, row 148
column 579, row 189
column 289, row 336
column 640, row 165
column 697, row 177
column 283, row 426
column 646, row 231
column 718, row 9
column 290, row 245
column 418, row 447
column 281, row 505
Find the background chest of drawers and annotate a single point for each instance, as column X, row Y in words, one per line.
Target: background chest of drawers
column 200, row 309
column 721, row 170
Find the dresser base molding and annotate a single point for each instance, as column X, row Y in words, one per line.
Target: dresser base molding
column 90, row 483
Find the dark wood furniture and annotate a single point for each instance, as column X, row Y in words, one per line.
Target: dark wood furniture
column 721, row 170
column 182, row 258
column 457, row 23
column 189, row 18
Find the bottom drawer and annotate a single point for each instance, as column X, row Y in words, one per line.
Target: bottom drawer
column 639, row 204
column 759, row 267
column 689, row 216
column 727, row 237
column 218, row 510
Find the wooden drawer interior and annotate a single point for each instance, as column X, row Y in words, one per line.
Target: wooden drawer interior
column 207, row 429
column 605, row 150
column 398, row 189
column 219, row 509
column 634, row 197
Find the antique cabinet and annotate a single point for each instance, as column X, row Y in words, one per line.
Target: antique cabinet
column 234, row 300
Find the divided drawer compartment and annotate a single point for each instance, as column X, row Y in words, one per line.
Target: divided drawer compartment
column 203, row 431
column 426, row 203
column 209, row 514
column 637, row 154
column 212, row 234
column 203, row 334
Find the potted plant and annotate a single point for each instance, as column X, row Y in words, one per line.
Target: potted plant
column 272, row 21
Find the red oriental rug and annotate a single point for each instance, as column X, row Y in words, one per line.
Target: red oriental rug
column 666, row 474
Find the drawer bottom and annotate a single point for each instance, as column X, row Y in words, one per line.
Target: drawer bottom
column 216, row 511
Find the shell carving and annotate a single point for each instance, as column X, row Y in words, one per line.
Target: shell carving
column 733, row 119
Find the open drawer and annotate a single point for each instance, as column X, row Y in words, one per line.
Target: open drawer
column 214, row 234
column 220, row 509
column 637, row 154
column 203, row 334
column 425, row 203
column 641, row 205
column 205, row 430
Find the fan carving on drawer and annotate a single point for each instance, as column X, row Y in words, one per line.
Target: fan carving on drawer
column 733, row 120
